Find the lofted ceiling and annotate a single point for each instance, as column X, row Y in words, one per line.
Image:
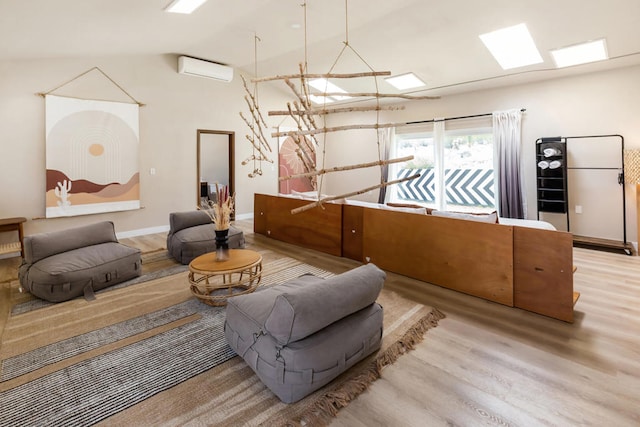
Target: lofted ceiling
column 437, row 40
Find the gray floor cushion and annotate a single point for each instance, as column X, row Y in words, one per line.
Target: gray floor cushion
column 192, row 234
column 62, row 265
column 300, row 335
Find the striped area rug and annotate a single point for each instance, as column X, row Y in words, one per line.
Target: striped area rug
column 151, row 354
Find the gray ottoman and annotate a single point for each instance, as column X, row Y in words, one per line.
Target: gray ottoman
column 192, row 234
column 300, row 335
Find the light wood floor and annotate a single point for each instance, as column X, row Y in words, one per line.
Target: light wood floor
column 487, row 364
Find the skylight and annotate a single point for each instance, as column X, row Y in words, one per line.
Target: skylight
column 321, row 99
column 184, row 6
column 512, row 47
column 325, row 86
column 405, row 81
column 580, row 53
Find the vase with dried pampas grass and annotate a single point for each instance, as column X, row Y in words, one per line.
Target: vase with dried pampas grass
column 220, row 210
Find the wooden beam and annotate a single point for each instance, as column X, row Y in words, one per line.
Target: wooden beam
column 344, row 168
column 325, row 75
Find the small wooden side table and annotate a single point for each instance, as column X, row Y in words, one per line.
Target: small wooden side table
column 213, row 281
column 13, row 224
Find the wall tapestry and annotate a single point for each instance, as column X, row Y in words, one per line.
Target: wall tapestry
column 91, row 156
column 293, row 160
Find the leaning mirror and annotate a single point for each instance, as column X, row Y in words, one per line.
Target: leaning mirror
column 215, row 157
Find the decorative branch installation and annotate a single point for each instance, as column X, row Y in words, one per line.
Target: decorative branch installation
column 345, row 168
column 257, row 139
column 304, row 115
column 355, row 193
column 379, row 95
column 338, row 129
column 325, row 111
column 322, row 76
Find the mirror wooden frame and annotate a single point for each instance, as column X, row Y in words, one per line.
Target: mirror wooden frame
column 231, row 137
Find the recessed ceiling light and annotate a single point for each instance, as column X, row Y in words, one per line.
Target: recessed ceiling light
column 325, row 86
column 512, row 47
column 184, row 6
column 405, row 81
column 580, row 53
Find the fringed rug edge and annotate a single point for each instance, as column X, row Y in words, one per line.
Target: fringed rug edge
column 327, row 406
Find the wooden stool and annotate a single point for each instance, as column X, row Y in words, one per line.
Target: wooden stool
column 13, row 224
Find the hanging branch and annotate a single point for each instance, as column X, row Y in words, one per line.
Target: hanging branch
column 344, row 168
column 252, row 158
column 301, row 151
column 254, row 102
column 304, row 158
column 378, row 95
column 355, row 193
column 338, row 129
column 325, row 75
column 309, row 121
column 256, row 172
column 257, row 147
column 324, row 111
column 306, row 103
column 259, row 136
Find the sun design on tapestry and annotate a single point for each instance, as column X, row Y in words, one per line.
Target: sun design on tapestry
column 92, row 157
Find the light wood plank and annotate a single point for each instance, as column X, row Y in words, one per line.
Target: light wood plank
column 486, row 363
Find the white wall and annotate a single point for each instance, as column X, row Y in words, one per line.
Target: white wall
column 175, row 107
column 589, row 104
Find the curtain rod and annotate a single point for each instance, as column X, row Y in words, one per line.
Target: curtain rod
column 522, row 110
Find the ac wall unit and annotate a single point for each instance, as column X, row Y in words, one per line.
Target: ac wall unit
column 198, row 67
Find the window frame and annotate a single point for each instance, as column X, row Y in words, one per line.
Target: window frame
column 438, row 139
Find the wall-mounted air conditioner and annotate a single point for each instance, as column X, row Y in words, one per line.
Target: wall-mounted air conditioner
column 202, row 68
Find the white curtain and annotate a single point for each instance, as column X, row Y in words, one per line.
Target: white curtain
column 507, row 141
column 438, row 141
column 385, row 137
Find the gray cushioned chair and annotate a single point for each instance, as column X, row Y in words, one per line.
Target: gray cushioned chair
column 62, row 265
column 299, row 335
column 192, row 234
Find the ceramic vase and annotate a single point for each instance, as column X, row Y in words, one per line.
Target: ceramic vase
column 222, row 245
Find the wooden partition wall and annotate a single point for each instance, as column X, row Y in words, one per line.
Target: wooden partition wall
column 319, row 229
column 468, row 256
column 520, row 267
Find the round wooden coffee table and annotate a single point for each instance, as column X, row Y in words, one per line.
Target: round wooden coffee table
column 214, row 281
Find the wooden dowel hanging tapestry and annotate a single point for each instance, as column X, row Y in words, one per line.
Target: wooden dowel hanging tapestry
column 91, row 156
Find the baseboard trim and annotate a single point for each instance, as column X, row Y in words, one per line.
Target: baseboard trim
column 162, row 229
column 142, row 231
column 10, row 255
column 244, row 216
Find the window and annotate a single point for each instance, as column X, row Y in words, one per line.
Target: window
column 456, row 170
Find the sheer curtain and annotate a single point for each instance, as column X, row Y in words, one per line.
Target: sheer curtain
column 386, row 137
column 507, row 142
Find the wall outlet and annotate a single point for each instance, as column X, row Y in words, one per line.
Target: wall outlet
column 152, row 171
column 578, row 209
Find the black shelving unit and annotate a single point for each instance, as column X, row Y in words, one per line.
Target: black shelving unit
column 551, row 176
column 553, row 189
